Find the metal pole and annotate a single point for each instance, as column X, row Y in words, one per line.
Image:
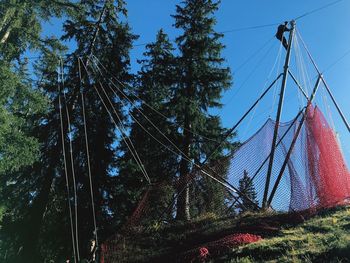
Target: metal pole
column 230, row 131
column 336, row 104
column 298, row 84
column 290, row 150
column 315, row 88
column 279, row 112
column 327, row 87
column 279, row 141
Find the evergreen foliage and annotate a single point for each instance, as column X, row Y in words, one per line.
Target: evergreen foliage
column 202, row 78
column 39, row 199
column 20, row 24
column 22, row 109
column 176, row 88
column 248, row 191
column 154, row 91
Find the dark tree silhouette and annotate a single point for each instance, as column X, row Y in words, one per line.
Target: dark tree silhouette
column 247, row 189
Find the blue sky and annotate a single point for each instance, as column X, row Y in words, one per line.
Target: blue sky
column 326, row 33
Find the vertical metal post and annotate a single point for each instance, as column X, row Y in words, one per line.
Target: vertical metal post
column 290, row 150
column 279, row 112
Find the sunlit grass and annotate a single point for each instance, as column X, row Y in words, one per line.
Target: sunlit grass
column 322, row 238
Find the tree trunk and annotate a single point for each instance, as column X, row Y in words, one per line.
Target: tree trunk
column 10, row 12
column 7, row 26
column 183, row 201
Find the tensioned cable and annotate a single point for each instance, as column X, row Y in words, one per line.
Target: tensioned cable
column 302, row 71
column 317, row 9
column 336, row 61
column 149, row 106
column 326, row 86
column 327, row 107
column 222, row 32
column 145, row 129
column 303, row 68
column 125, row 137
column 248, row 28
column 308, row 52
column 72, row 164
column 249, row 76
column 65, row 168
column 263, row 88
column 224, row 183
column 231, row 30
column 256, row 52
column 180, row 152
column 122, row 130
column 221, row 180
column 296, row 51
column 155, row 126
column 88, row 155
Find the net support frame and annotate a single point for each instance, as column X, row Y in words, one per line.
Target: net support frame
column 279, row 113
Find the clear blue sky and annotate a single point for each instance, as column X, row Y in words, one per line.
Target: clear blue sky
column 325, row 32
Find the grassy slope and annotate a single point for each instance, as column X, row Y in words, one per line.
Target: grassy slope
column 324, row 238
column 287, row 238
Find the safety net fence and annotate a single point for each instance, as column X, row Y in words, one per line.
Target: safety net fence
column 315, row 177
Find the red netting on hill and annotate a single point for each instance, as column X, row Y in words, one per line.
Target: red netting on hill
column 327, row 168
column 220, row 246
column 316, row 176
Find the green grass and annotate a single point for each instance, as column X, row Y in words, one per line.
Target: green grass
column 322, row 238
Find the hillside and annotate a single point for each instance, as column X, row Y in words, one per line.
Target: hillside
column 324, row 237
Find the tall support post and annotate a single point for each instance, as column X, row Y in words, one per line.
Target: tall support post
column 295, row 137
column 279, row 112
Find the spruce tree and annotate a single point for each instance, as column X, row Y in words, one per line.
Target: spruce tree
column 20, row 28
column 22, row 109
column 28, row 190
column 49, row 235
column 154, row 90
column 202, row 78
column 111, row 45
column 247, row 189
column 20, row 23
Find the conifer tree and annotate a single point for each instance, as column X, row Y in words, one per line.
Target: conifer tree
column 20, row 26
column 20, row 23
column 154, row 90
column 49, row 237
column 22, row 107
column 100, row 30
column 247, row 189
column 202, row 78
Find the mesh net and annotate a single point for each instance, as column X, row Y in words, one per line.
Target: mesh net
column 315, row 177
column 327, row 169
